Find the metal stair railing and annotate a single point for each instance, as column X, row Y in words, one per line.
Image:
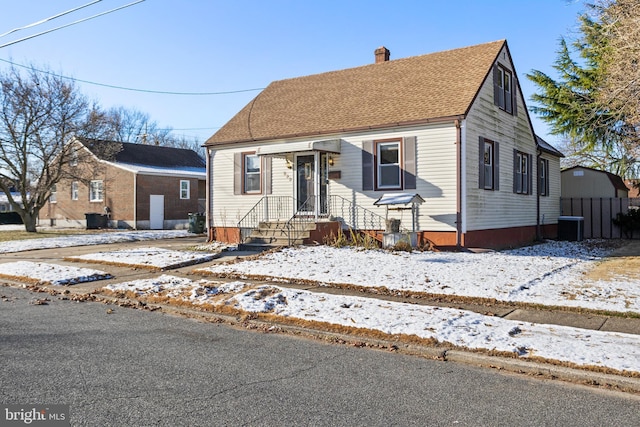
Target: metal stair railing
column 297, row 224
column 268, row 208
column 355, row 216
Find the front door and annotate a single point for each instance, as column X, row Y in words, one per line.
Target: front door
column 305, row 183
column 311, row 183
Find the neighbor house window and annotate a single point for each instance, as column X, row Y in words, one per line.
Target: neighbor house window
column 74, row 190
column 53, row 197
column 503, row 89
column 488, row 171
column 95, row 191
column 184, row 189
column 522, row 173
column 251, row 173
column 74, row 158
column 543, row 175
column 388, row 166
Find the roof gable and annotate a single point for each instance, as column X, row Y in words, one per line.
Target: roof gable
column 143, row 155
column 402, row 91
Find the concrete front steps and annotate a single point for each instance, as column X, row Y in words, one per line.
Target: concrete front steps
column 273, row 234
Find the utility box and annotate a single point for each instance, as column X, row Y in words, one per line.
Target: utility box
column 571, row 228
column 196, row 223
column 96, row 220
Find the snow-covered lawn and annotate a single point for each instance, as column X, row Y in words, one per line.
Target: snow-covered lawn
column 458, row 327
column 54, row 274
column 152, row 258
column 89, row 239
column 552, row 273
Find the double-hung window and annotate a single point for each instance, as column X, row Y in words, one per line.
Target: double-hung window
column 184, row 189
column 489, row 177
column 522, row 173
column 388, row 165
column 54, row 194
column 74, row 190
column 503, row 89
column 96, row 191
column 543, row 177
column 251, row 173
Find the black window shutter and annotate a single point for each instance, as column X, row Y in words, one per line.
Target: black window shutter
column 410, row 167
column 496, row 86
column 514, row 94
column 546, row 177
column 237, row 173
column 266, row 174
column 515, row 170
column 530, row 173
column 481, row 164
column 496, row 166
column 367, row 165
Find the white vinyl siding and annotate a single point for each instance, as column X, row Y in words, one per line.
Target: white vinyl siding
column 483, row 209
column 435, row 177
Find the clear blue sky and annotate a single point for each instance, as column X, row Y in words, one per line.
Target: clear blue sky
column 219, row 46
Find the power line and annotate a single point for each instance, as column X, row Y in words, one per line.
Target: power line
column 161, row 92
column 70, row 24
column 51, row 18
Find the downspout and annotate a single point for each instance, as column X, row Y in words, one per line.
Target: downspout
column 538, row 226
column 208, row 210
column 459, row 185
column 135, row 200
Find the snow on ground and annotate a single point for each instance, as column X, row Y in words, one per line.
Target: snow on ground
column 155, row 258
column 89, row 239
column 40, row 272
column 461, row 328
column 551, row 273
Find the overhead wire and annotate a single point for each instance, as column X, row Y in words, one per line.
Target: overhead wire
column 51, row 18
column 70, row 24
column 161, row 92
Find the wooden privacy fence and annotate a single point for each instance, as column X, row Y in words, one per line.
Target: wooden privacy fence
column 598, row 214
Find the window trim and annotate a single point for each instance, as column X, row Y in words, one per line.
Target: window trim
column 522, row 172
column 53, row 196
column 185, row 193
column 495, row 165
column 101, row 190
column 377, row 165
column 543, row 178
column 503, row 98
column 74, row 158
column 74, row 190
column 245, row 156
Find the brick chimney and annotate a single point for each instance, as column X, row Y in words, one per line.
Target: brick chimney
column 382, row 54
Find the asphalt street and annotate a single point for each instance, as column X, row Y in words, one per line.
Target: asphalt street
column 118, row 366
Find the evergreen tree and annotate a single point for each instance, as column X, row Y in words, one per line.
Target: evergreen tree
column 597, row 131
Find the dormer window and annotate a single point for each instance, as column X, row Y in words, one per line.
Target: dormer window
column 503, row 90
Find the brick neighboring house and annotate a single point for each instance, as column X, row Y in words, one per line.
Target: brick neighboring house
column 139, row 186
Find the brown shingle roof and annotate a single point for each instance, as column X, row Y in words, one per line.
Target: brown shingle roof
column 406, row 90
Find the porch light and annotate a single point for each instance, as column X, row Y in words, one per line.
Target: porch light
column 289, row 164
column 330, row 161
